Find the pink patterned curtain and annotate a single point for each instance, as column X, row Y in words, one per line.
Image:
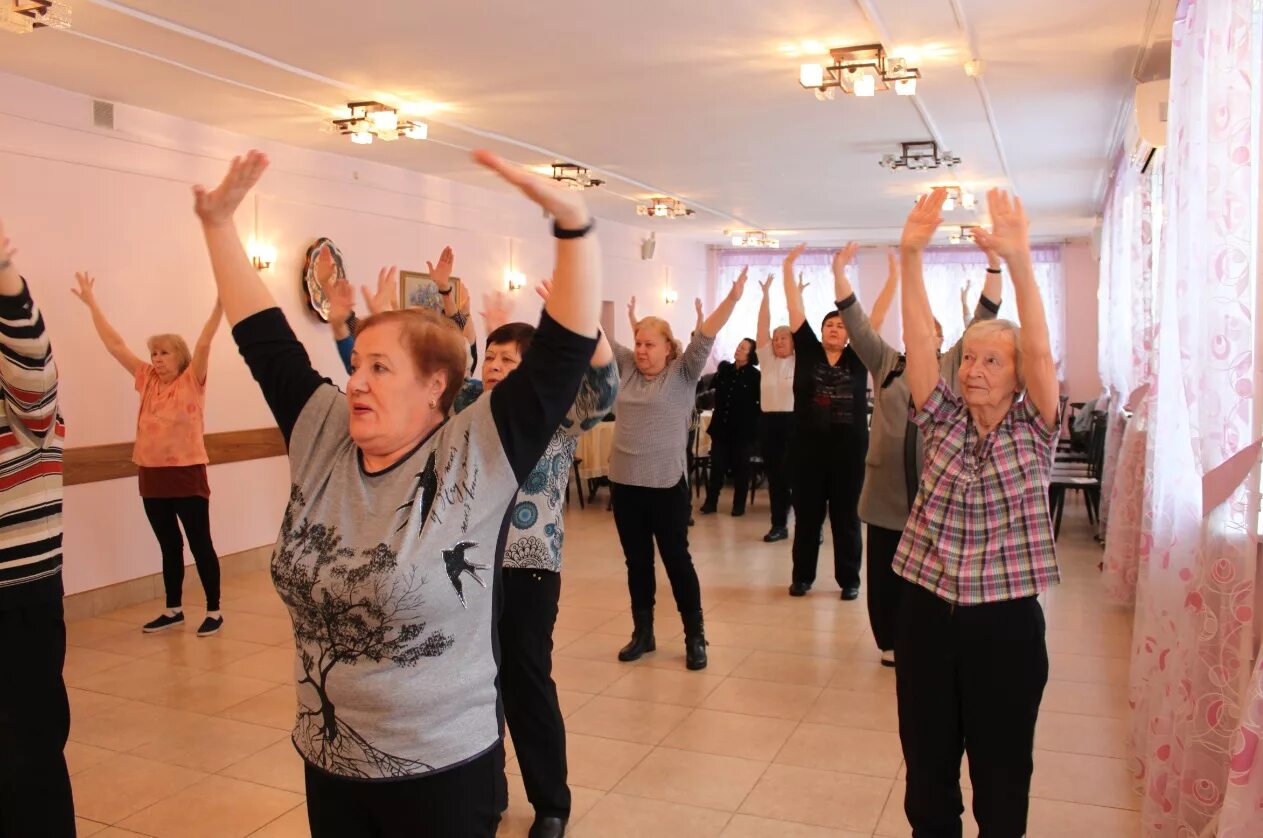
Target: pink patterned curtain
column 1193, row 640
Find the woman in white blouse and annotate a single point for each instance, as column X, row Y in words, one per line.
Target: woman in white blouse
column 776, row 361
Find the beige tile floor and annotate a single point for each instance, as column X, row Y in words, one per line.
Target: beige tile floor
column 791, row 731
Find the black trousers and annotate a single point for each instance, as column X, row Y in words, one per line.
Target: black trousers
column 643, row 516
column 828, row 474
column 527, row 688
column 774, row 436
column 165, row 516
column 969, row 678
column 35, row 798
column 456, row 803
column 729, row 454
column 885, row 587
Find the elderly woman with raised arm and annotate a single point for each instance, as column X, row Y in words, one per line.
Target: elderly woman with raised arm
column 776, row 403
column 830, row 437
column 892, row 469
column 170, row 454
column 389, row 552
column 648, row 472
column 978, row 547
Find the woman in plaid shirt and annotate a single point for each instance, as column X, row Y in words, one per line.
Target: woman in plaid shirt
column 978, row 549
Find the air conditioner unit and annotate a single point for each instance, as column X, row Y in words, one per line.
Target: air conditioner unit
column 1148, row 130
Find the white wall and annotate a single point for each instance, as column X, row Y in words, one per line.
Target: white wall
column 117, row 203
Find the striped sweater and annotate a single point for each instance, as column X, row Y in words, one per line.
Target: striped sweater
column 31, row 438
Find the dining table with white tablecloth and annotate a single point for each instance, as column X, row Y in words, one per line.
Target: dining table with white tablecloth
column 596, row 443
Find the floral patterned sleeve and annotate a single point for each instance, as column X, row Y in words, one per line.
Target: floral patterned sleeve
column 595, row 400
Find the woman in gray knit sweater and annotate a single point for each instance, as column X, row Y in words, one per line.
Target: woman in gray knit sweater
column 648, row 480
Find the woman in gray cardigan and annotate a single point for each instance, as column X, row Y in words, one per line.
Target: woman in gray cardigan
column 892, row 469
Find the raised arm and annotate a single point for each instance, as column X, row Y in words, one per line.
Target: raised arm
column 201, row 352
column 701, row 316
column 530, row 405
column 341, row 301
column 994, row 283
column 711, row 325
column 275, row 357
column 386, row 297
column 869, row 345
column 1009, row 240
column 794, row 290
column 919, row 340
column 881, row 307
column 631, row 317
column 604, row 354
column 114, row 343
column 763, row 334
column 27, row 369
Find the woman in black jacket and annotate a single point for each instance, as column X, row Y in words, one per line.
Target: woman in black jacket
column 734, row 427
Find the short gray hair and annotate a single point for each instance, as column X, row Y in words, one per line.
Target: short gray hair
column 987, row 328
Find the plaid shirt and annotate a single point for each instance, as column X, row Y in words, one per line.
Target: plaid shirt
column 979, row 530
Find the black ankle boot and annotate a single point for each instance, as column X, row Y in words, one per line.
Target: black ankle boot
column 694, row 641
column 642, row 637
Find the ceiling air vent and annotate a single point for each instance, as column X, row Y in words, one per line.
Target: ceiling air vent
column 103, row 114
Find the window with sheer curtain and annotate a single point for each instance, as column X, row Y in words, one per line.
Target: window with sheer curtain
column 948, row 272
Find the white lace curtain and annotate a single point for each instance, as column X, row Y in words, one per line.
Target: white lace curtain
column 947, row 272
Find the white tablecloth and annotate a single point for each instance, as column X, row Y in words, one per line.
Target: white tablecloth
column 594, row 450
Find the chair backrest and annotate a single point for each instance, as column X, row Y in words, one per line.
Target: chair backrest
column 1096, row 448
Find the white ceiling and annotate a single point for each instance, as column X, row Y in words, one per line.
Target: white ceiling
column 698, row 100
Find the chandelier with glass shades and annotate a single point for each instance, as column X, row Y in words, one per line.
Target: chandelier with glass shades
column 663, row 208
column 364, row 122
column 751, row 238
column 919, row 156
column 574, row 176
column 859, row 71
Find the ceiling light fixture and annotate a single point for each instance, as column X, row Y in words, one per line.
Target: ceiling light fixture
column 956, row 195
column 919, row 156
column 962, row 234
column 663, row 208
column 861, row 71
column 364, row 122
column 574, row 176
column 22, row 16
column 751, row 238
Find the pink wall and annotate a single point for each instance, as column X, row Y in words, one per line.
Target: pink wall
column 117, row 203
column 1082, row 274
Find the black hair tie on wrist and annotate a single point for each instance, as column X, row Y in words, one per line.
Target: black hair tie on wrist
column 562, row 233
column 995, row 270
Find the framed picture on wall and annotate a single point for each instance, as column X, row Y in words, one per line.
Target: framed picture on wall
column 418, row 289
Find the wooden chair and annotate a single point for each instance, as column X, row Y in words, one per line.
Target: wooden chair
column 1075, row 476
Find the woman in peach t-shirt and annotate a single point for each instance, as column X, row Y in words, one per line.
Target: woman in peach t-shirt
column 171, row 454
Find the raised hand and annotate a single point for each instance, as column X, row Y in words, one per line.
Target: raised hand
column 738, row 287
column 218, row 205
column 792, row 257
column 892, row 262
column 340, row 296
column 842, row 258
column 631, row 309
column 544, row 289
column 1009, row 236
column 768, row 284
column 387, row 291
column 7, row 250
column 496, row 310
column 442, row 272
column 325, row 266
column 697, row 306
column 84, row 292
column 924, row 220
column 565, row 205
column 802, row 286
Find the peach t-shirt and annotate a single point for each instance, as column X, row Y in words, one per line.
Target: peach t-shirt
column 169, row 427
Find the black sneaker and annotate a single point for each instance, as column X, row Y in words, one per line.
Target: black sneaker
column 209, row 626
column 776, row 534
column 850, row 593
column 707, row 510
column 799, row 589
column 163, row 622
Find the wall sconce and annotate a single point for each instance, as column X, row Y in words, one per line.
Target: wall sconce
column 262, row 256
column 670, row 296
column 514, row 279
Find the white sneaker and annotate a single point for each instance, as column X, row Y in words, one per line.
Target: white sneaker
column 888, row 657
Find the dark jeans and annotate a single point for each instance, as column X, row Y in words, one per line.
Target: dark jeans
column 165, row 516
column 643, row 515
column 828, row 476
column 456, row 803
column 969, row 679
column 729, row 454
column 774, row 441
column 35, row 798
column 885, row 587
column 526, row 683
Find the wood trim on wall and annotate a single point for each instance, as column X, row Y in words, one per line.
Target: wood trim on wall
column 94, row 463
